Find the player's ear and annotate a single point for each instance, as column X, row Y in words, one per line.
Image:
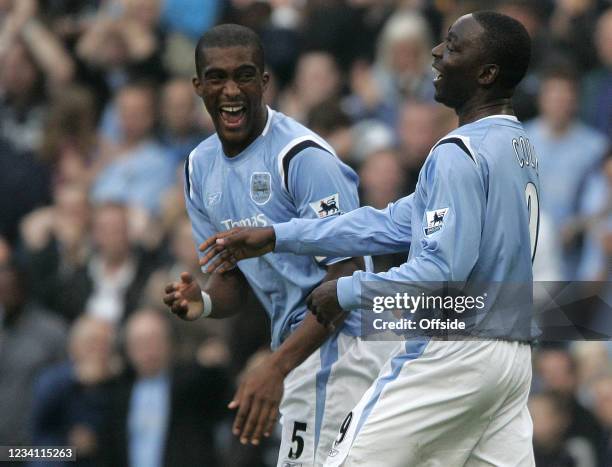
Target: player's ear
column 265, row 80
column 197, row 85
column 488, row 74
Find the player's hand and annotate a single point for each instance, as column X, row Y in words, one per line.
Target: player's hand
column 257, row 401
column 225, row 249
column 184, row 298
column 323, row 303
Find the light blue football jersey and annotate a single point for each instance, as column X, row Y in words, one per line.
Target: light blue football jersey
column 287, row 172
column 472, row 219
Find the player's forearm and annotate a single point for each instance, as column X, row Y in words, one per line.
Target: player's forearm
column 228, row 293
column 307, row 338
column 364, row 231
column 310, row 335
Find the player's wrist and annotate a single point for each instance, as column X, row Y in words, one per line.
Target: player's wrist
column 206, row 304
column 281, row 362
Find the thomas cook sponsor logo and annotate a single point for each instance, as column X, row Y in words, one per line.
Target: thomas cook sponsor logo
column 435, row 220
column 261, row 187
column 328, row 206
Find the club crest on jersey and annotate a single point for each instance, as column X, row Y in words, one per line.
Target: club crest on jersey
column 261, row 187
column 328, row 206
column 212, row 199
column 435, row 220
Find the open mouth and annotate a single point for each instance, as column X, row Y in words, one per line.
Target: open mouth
column 233, row 116
column 437, row 76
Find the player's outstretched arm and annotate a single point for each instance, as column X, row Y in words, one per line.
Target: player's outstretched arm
column 363, row 231
column 227, row 293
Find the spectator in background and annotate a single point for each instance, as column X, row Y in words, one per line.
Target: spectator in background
column 334, row 125
column 382, row 179
column 70, row 143
column 383, row 182
column 56, row 247
column 124, row 44
column 402, row 70
column 24, row 186
column 114, row 278
column 602, row 393
column 594, row 221
column 584, row 436
column 180, row 132
column 30, row 339
column 32, row 62
column 317, row 79
column 571, row 25
column 567, row 152
column 72, row 399
column 550, row 421
column 187, row 400
column 138, row 171
column 420, row 126
column 106, row 281
column 597, row 85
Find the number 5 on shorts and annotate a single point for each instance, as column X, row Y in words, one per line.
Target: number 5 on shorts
column 295, row 438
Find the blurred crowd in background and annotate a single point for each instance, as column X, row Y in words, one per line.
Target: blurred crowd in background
column 97, row 114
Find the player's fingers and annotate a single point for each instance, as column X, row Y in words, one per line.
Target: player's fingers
column 169, row 299
column 271, row 422
column 208, row 242
column 235, row 402
column 186, row 278
column 178, row 309
column 229, row 233
column 170, row 287
column 261, row 423
column 228, row 265
column 233, row 239
column 251, row 420
column 243, row 412
column 210, row 254
column 218, row 261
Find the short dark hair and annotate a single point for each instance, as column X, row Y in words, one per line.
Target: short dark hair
column 229, row 35
column 562, row 71
column 506, row 43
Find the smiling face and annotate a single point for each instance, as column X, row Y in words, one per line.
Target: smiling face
column 458, row 63
column 232, row 87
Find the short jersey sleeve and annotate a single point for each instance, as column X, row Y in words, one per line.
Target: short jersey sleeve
column 321, row 186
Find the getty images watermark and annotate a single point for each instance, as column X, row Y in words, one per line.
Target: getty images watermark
column 397, row 305
column 534, row 311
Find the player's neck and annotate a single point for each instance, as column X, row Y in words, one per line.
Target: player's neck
column 477, row 109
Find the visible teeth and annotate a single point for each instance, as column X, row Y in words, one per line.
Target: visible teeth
column 232, row 109
column 436, row 74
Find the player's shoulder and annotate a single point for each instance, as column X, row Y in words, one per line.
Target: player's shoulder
column 205, row 151
column 290, row 136
column 475, row 140
column 291, row 144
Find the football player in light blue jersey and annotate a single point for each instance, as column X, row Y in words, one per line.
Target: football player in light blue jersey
column 458, row 399
column 261, row 168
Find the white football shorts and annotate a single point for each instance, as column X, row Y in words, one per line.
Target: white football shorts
column 443, row 404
